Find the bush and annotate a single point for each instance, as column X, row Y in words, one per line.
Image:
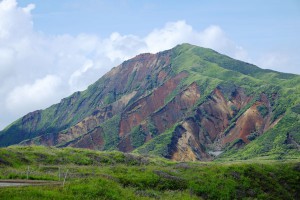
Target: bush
column 234, row 109
column 137, row 136
column 252, row 136
column 296, row 109
column 263, row 110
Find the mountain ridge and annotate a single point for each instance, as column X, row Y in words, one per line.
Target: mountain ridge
column 191, row 99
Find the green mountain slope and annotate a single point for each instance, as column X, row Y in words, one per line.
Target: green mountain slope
column 186, row 103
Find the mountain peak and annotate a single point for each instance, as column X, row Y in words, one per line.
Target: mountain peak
column 186, row 103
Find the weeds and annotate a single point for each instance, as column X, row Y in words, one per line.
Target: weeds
column 117, row 175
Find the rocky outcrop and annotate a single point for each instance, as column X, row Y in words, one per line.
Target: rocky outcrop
column 144, row 107
column 214, row 125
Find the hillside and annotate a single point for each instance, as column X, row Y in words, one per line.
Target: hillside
column 186, row 103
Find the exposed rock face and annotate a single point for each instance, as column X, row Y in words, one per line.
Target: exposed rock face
column 150, row 104
column 210, row 126
column 144, row 107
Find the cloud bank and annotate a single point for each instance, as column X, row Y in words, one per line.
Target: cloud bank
column 37, row 70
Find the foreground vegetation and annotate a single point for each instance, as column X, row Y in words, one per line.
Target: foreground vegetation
column 115, row 175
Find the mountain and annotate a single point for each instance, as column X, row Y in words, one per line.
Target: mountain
column 186, row 103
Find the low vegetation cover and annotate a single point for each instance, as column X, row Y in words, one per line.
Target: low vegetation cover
column 116, row 175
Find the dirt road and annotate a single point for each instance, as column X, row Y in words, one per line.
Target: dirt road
column 19, row 182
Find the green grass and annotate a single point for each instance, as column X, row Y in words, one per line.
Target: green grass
column 159, row 145
column 115, row 175
column 111, row 129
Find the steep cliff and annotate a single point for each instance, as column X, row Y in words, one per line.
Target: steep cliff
column 187, row 103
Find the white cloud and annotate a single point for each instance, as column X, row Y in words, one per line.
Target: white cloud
column 33, row 95
column 6, row 59
column 180, row 32
column 279, row 61
column 14, row 20
column 272, row 59
column 169, row 36
column 75, row 77
column 215, row 38
column 119, row 48
column 36, row 70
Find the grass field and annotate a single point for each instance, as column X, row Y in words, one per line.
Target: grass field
column 115, row 175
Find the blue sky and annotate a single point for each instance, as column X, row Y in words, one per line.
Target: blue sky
column 50, row 49
column 256, row 25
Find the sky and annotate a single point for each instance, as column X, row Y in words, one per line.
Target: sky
column 50, row 49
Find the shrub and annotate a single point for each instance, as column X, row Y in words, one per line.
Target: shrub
column 137, row 136
column 252, row 136
column 263, row 110
column 296, row 109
